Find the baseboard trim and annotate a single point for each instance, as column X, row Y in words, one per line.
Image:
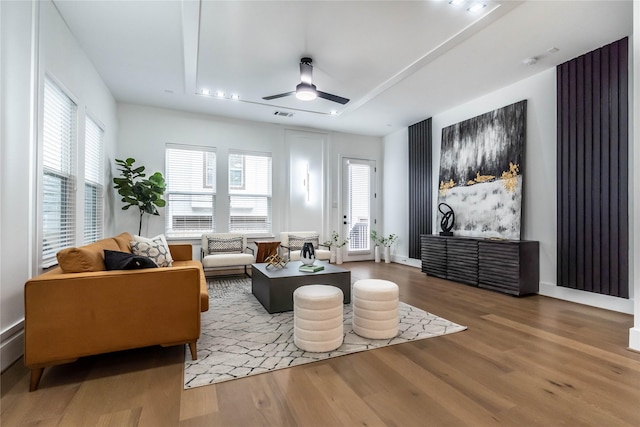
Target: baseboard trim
column 587, row 298
column 406, row 261
column 634, row 339
column 11, row 345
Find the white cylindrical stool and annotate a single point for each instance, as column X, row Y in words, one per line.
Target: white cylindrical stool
column 317, row 318
column 375, row 308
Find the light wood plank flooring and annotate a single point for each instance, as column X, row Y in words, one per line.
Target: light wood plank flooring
column 531, row 361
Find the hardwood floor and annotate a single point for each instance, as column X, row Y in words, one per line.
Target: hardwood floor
column 532, row 361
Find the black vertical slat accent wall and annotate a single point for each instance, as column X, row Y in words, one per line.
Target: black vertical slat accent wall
column 593, row 199
column 420, row 185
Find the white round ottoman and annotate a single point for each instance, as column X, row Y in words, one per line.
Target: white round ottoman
column 317, row 318
column 375, row 308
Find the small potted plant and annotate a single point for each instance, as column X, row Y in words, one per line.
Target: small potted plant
column 335, row 241
column 377, row 242
column 387, row 242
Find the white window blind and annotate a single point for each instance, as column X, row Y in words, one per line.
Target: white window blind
column 250, row 192
column 359, row 203
column 191, row 190
column 58, row 180
column 93, row 181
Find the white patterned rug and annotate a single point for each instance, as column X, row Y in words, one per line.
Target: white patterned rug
column 239, row 338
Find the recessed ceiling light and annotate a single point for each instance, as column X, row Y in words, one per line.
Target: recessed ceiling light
column 168, row 91
column 553, row 50
column 220, row 94
column 235, row 96
column 205, row 92
column 457, row 3
column 333, row 113
column 530, row 61
column 476, row 7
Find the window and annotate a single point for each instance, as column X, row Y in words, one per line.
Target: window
column 191, row 200
column 209, row 169
column 93, row 181
column 58, row 179
column 250, row 192
column 236, row 171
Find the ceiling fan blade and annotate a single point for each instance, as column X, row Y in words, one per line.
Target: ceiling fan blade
column 280, row 95
column 334, row 98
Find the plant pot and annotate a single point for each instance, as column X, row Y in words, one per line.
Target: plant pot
column 332, row 259
column 376, row 253
column 338, row 255
column 387, row 254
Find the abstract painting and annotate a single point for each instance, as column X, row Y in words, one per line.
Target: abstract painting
column 481, row 168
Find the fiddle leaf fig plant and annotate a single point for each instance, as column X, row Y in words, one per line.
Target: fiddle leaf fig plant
column 138, row 190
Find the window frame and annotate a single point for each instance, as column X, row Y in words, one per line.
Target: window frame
column 69, row 219
column 209, row 189
column 99, row 186
column 232, row 192
column 241, row 169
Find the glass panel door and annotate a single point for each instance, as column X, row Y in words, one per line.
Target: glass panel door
column 358, row 197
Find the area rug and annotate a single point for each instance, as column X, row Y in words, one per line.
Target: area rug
column 239, row 338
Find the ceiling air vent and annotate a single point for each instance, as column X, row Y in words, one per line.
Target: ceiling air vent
column 282, row 114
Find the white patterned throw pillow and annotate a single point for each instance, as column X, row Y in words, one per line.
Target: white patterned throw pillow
column 296, row 242
column 220, row 245
column 155, row 248
column 156, row 252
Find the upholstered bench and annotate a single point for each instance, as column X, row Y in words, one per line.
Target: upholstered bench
column 375, row 308
column 317, row 318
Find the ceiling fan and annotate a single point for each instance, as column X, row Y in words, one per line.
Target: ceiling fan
column 306, row 91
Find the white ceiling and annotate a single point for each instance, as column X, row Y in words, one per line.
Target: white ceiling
column 398, row 61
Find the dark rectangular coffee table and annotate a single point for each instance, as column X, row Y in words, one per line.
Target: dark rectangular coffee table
column 274, row 287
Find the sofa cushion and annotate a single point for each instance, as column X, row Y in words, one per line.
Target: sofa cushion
column 123, row 240
column 221, row 245
column 227, row 260
column 85, row 258
column 156, row 250
column 296, row 242
column 116, row 260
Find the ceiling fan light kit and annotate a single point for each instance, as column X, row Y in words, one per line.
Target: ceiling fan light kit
column 306, row 92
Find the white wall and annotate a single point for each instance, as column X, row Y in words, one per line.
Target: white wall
column 15, row 180
column 539, row 203
column 539, row 171
column 395, row 189
column 144, row 132
column 354, row 147
column 35, row 41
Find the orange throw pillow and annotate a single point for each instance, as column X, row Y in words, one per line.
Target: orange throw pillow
column 85, row 258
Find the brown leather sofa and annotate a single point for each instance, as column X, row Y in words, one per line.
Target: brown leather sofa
column 92, row 311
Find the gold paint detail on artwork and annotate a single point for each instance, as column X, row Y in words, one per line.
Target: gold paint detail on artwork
column 445, row 186
column 480, row 179
column 510, row 178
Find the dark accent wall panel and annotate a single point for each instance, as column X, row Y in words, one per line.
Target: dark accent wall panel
column 420, row 185
column 592, row 167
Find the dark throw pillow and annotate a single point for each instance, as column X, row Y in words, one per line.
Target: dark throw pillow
column 114, row 260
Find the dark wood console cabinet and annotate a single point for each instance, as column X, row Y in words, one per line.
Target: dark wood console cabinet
column 509, row 266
